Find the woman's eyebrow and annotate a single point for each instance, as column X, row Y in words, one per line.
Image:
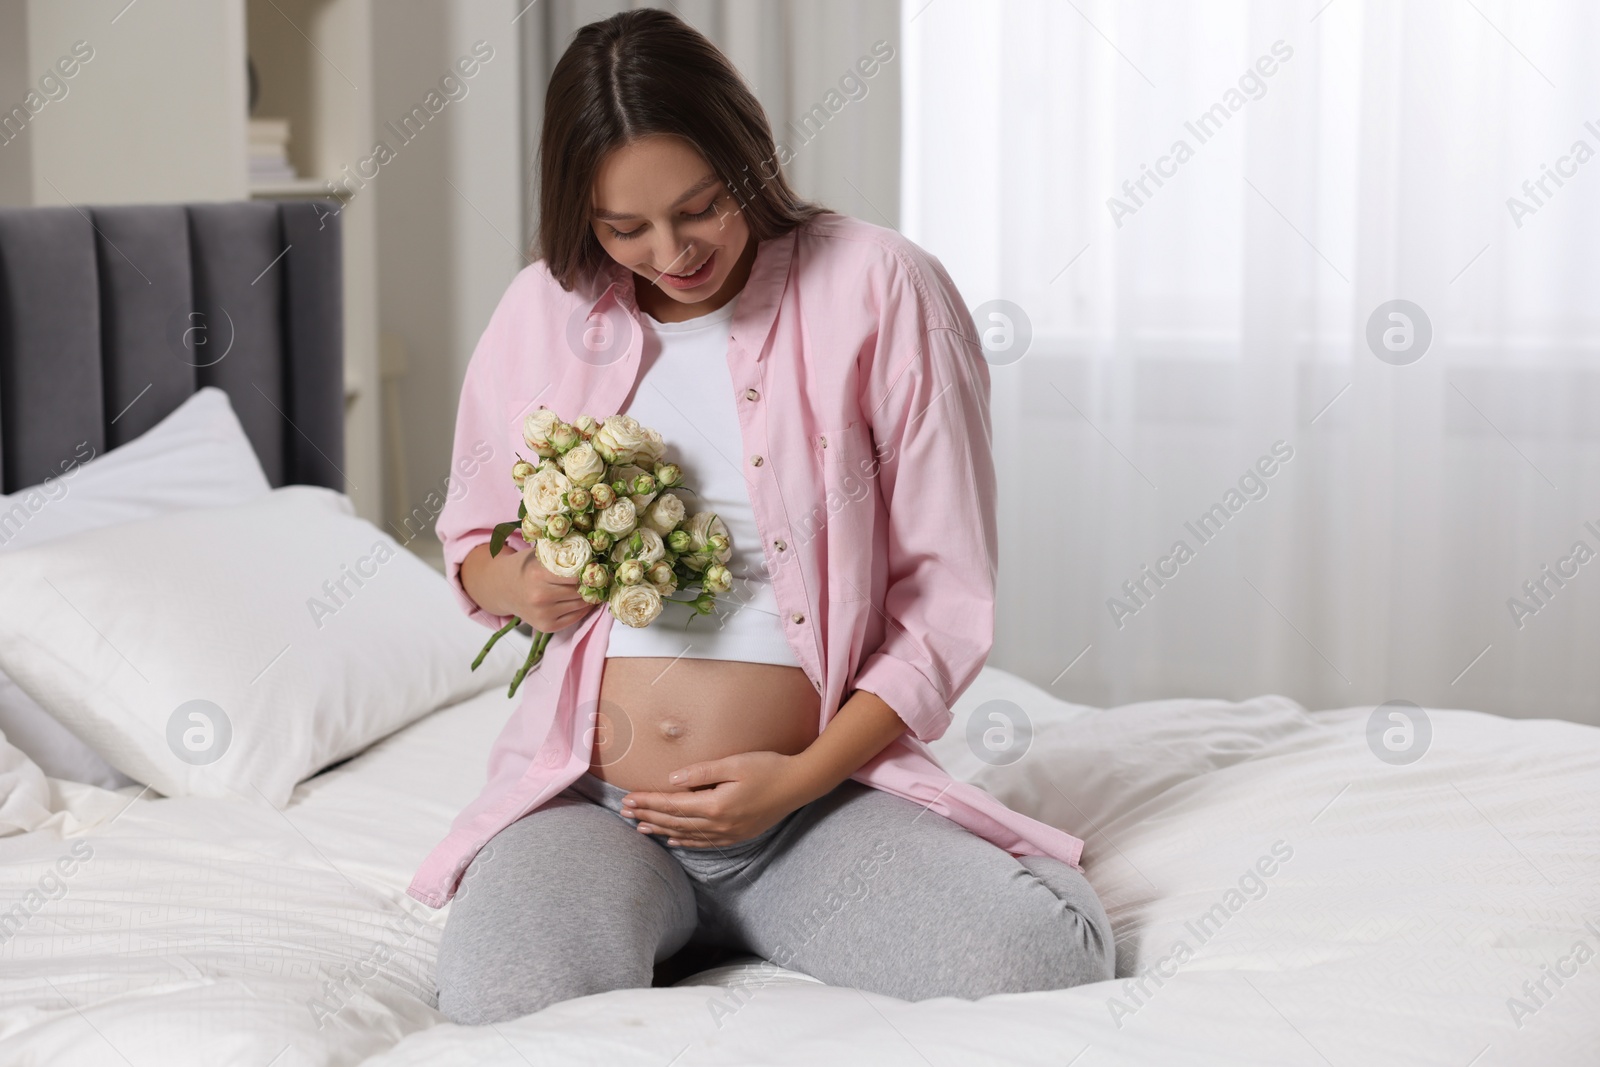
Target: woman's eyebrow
column 695, row 189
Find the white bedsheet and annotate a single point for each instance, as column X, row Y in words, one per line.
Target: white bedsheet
column 1416, row 902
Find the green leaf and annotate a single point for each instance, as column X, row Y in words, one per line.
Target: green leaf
column 497, row 540
column 522, row 510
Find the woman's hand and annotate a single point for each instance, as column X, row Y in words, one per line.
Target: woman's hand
column 753, row 790
column 516, row 583
column 747, row 794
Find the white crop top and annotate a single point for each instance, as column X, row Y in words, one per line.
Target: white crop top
column 686, row 392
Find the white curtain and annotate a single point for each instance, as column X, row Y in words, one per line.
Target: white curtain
column 1428, row 539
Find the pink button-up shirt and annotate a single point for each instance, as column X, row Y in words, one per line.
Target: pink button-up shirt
column 863, row 401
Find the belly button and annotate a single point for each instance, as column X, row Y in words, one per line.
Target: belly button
column 672, row 731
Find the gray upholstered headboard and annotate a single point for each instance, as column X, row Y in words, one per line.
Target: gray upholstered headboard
column 111, row 317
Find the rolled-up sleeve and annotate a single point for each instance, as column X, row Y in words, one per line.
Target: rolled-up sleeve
column 481, row 494
column 927, row 393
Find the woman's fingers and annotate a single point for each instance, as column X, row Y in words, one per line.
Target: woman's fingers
column 678, row 824
column 697, row 842
column 698, row 803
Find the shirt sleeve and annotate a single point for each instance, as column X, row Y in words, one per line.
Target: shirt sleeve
column 481, row 494
column 927, row 394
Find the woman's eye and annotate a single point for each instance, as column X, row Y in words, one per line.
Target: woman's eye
column 710, row 209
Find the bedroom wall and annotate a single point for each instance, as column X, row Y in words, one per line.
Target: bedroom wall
column 183, row 59
column 16, row 153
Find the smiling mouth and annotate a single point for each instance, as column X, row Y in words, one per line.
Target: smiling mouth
column 687, row 273
column 693, row 279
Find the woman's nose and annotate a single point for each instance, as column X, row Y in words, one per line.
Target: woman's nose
column 676, row 257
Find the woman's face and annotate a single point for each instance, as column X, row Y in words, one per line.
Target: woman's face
column 660, row 210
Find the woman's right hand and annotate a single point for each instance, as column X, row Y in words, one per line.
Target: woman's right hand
column 516, row 583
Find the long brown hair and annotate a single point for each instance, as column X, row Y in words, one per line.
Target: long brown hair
column 635, row 74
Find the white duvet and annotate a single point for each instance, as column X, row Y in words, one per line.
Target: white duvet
column 1445, row 912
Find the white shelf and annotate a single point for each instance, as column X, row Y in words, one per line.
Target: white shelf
column 300, row 187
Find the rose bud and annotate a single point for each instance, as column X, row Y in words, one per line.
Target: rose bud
column 703, row 604
column 630, row 572
column 661, row 572
column 591, row 595
column 603, row 495
column 600, row 541
column 521, row 471
column 717, row 544
column 679, row 541
column 563, row 436
column 669, row 474
column 578, row 498
column 584, row 521
column 620, row 487
column 644, row 484
column 717, row 579
column 530, row 530
column 557, row 527
column 586, row 425
column 596, row 575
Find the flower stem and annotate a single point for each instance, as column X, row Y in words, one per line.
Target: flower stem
column 535, row 654
column 498, row 634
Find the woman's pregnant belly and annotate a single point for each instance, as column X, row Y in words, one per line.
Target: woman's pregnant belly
column 659, row 714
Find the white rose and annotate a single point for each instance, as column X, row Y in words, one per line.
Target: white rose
column 654, row 447
column 664, row 515
column 619, row 519
column 583, row 464
column 542, row 493
column 651, row 547
column 566, row 557
column 701, row 526
column 536, row 431
column 635, row 605
column 619, row 438
column 654, row 548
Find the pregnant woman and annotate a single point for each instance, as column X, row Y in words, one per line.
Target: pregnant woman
column 758, row 780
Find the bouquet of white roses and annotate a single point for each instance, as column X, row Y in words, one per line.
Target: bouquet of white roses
column 601, row 505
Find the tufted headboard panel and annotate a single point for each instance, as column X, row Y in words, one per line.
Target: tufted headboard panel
column 111, row 317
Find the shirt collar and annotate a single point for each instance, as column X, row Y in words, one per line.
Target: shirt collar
column 758, row 301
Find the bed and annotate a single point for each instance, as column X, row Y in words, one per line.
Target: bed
column 1416, row 903
column 1282, row 892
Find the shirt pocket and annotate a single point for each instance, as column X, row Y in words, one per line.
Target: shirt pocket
column 850, row 506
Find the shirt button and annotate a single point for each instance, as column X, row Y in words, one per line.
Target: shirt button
column 755, row 461
column 781, row 545
column 751, row 394
column 797, row 617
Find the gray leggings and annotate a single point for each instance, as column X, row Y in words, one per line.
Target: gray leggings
column 859, row 888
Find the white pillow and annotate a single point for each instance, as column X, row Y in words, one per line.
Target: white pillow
column 233, row 650
column 198, row 456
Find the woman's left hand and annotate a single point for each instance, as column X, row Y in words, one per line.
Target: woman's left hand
column 747, row 794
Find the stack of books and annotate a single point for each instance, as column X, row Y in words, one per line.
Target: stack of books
column 269, row 152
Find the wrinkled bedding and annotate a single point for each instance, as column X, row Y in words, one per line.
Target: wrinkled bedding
column 1281, row 896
